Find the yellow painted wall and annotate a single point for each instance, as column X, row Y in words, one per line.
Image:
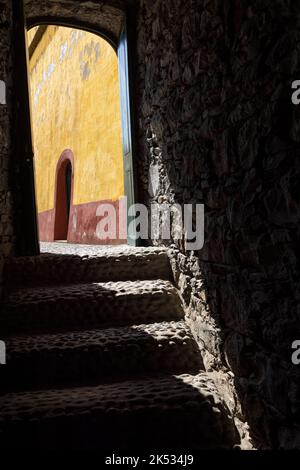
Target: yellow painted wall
column 76, row 105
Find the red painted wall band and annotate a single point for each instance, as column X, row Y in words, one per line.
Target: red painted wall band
column 83, row 223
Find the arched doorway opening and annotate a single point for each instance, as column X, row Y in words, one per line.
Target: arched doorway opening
column 63, row 195
column 80, row 98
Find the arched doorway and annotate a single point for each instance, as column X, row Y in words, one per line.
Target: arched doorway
column 95, row 20
column 96, row 133
column 63, row 195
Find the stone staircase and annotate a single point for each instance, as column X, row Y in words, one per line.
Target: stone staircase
column 99, row 357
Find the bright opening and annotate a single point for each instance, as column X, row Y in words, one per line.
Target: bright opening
column 76, row 120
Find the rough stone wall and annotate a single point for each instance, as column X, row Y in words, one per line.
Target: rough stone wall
column 106, row 15
column 216, row 125
column 6, row 205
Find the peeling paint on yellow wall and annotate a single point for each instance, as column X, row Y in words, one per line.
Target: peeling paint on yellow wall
column 76, row 105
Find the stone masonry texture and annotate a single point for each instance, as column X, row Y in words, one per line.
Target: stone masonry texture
column 215, row 125
column 75, row 380
column 135, row 414
column 7, row 239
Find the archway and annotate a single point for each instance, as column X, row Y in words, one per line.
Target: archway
column 63, row 195
column 100, row 183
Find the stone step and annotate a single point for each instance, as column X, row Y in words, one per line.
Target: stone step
column 173, row 412
column 96, row 356
column 88, row 306
column 117, row 264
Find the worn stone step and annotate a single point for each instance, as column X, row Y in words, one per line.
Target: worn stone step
column 87, row 306
column 95, row 356
column 176, row 412
column 111, row 264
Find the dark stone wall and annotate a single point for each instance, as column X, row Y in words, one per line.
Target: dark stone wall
column 217, row 126
column 7, row 239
